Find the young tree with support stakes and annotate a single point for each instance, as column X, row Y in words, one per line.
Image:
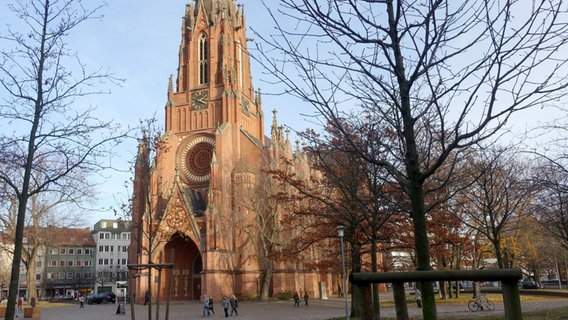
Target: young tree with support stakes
column 442, row 75
column 50, row 136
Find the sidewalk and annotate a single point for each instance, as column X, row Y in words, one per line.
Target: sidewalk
column 275, row 310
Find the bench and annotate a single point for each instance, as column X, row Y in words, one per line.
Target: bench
column 29, row 312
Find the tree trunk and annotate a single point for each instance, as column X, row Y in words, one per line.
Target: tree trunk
column 265, row 283
column 375, row 286
column 30, row 277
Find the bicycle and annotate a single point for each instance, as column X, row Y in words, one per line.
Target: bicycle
column 480, row 303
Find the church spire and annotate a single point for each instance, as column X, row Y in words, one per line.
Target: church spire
column 214, row 83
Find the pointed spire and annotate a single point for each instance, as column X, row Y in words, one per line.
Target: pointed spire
column 274, row 128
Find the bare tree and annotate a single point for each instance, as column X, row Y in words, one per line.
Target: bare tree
column 263, row 229
column 43, row 83
column 497, row 199
column 45, row 209
column 550, row 204
column 440, row 75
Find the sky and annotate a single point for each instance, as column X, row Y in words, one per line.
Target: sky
column 138, row 40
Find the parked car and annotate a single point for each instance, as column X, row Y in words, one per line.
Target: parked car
column 66, row 297
column 530, row 284
column 102, row 297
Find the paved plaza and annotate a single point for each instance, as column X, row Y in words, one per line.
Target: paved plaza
column 276, row 310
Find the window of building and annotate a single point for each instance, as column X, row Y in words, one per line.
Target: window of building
column 53, row 263
column 103, row 224
column 38, row 276
column 78, row 263
column 61, row 263
column 101, row 262
column 70, row 263
column 115, row 225
column 69, row 275
column 77, row 275
column 79, row 251
column 71, row 251
column 124, row 262
column 87, row 275
column 53, row 252
column 203, row 61
column 100, row 248
column 87, row 263
column 240, row 64
column 62, row 251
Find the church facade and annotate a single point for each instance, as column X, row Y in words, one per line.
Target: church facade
column 197, row 202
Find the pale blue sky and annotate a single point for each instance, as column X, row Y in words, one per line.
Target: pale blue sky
column 139, row 42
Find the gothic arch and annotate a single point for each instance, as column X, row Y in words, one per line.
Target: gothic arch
column 186, row 273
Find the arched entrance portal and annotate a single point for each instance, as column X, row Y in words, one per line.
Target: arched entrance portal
column 186, row 273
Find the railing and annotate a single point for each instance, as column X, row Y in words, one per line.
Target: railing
column 509, row 279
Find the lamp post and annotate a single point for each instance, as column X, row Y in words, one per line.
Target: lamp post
column 341, row 234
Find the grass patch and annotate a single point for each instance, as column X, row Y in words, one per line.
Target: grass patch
column 550, row 314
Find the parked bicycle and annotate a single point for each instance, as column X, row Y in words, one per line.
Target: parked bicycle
column 481, row 303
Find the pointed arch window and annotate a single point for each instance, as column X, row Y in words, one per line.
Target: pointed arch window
column 240, row 63
column 203, row 60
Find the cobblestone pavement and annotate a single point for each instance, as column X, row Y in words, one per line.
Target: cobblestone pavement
column 277, row 310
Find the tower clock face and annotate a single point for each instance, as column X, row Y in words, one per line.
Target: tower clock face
column 194, row 159
column 199, row 100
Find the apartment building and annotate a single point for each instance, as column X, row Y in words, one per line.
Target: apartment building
column 112, row 239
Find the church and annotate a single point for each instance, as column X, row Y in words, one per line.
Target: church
column 198, row 198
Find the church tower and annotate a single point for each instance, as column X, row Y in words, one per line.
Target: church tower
column 192, row 202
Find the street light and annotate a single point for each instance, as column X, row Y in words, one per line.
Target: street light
column 341, row 234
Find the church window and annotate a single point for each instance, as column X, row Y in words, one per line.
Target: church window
column 240, row 63
column 203, row 61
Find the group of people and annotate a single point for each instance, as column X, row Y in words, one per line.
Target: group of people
column 226, row 303
column 297, row 299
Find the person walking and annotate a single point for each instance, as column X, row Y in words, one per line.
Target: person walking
column 234, row 305
column 205, row 306
column 306, row 298
column 20, row 303
column 147, row 297
column 226, row 304
column 211, row 305
column 296, row 299
column 418, row 297
column 82, row 302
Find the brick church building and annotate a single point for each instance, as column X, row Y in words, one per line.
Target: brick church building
column 197, row 202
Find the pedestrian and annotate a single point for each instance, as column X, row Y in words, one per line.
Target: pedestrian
column 226, row 304
column 418, row 297
column 205, row 306
column 147, row 297
column 20, row 303
column 296, row 299
column 234, row 305
column 81, row 302
column 118, row 309
column 306, row 298
column 211, row 305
